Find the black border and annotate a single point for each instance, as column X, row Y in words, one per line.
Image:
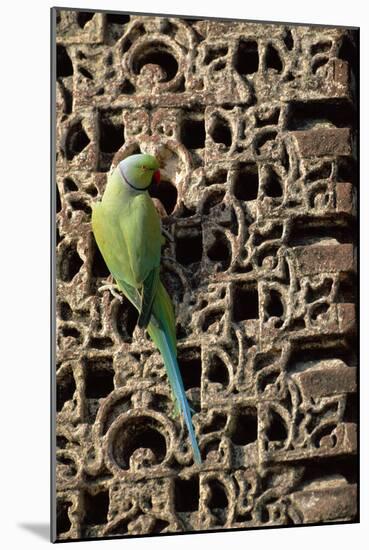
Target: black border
column 207, row 17
column 356, row 188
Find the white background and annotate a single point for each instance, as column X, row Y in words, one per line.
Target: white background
column 25, row 294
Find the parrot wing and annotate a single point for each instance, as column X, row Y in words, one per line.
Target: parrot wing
column 126, row 261
column 140, row 227
column 111, row 244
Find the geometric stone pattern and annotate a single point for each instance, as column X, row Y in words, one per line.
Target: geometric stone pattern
column 254, row 125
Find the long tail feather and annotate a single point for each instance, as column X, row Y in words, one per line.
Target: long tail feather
column 161, row 329
column 162, row 342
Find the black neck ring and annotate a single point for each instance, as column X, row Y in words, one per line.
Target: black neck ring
column 131, row 184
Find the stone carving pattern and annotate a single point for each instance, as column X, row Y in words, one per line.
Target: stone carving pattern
column 254, row 126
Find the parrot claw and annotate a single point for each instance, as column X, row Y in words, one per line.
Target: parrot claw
column 112, row 289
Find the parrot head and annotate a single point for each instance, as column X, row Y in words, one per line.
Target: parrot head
column 139, row 171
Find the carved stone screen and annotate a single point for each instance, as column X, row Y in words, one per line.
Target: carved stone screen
column 255, row 126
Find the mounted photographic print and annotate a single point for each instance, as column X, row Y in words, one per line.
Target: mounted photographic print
column 204, row 183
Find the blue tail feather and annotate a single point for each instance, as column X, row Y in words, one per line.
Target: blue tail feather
column 161, row 329
column 170, row 361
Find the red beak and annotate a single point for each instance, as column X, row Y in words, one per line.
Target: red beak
column 156, row 176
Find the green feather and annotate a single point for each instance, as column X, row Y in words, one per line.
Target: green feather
column 127, row 230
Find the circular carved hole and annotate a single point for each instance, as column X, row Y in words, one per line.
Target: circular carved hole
column 320, row 62
column 167, row 193
column 143, row 432
column 157, row 54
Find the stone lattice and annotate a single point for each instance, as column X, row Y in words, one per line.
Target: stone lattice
column 254, row 125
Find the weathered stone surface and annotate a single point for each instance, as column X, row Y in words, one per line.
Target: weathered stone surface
column 324, row 142
column 326, row 258
column 345, row 198
column 327, row 504
column 328, row 377
column 254, row 126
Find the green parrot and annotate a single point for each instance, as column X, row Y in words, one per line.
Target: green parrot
column 127, row 230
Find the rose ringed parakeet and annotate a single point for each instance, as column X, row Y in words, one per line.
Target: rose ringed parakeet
column 127, row 230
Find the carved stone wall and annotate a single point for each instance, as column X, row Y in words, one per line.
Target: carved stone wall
column 255, row 127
